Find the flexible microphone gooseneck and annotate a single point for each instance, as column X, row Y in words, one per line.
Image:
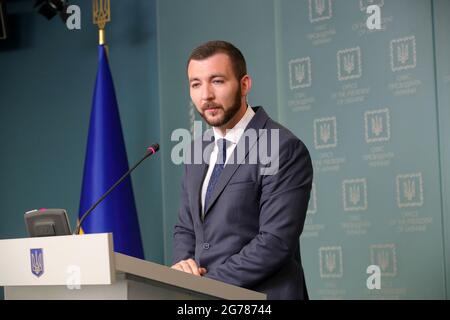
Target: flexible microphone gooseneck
column 150, row 151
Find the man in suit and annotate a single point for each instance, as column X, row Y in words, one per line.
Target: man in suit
column 238, row 223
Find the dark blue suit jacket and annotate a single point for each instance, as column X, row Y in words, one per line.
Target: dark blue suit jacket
column 250, row 233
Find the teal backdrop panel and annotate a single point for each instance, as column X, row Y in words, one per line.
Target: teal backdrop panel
column 365, row 103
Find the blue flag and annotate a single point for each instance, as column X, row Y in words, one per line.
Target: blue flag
column 105, row 162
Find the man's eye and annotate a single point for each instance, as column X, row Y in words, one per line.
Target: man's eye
column 195, row 85
column 218, row 81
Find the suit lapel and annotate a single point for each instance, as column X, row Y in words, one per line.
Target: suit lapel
column 258, row 121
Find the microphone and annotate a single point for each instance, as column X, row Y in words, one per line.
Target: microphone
column 150, row 151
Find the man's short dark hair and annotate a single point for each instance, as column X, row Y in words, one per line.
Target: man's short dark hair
column 211, row 48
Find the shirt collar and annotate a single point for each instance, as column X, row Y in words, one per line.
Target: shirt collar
column 234, row 134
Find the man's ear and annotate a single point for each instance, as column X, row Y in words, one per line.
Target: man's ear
column 246, row 85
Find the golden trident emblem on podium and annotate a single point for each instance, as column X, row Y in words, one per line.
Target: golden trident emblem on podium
column 101, row 14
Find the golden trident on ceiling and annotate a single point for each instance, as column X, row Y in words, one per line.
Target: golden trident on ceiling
column 101, row 13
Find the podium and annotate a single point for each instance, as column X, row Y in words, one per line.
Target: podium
column 86, row 267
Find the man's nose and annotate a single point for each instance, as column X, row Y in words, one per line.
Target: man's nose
column 207, row 92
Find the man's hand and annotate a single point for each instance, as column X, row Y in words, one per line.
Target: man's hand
column 189, row 266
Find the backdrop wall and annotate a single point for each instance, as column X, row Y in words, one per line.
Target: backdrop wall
column 372, row 107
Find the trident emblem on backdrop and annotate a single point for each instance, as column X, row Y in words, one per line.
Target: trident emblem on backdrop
column 403, row 53
column 299, row 71
column 320, row 7
column 325, row 132
column 409, row 189
column 349, row 63
column 330, row 261
column 377, row 125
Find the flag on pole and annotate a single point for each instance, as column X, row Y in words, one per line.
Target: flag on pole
column 105, row 162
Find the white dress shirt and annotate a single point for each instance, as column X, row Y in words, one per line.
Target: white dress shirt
column 232, row 136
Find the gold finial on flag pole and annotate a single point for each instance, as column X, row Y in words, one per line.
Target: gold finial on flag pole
column 101, row 13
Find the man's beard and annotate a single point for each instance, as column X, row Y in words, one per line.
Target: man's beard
column 226, row 115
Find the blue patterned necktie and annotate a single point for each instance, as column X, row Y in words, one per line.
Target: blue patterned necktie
column 218, row 168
